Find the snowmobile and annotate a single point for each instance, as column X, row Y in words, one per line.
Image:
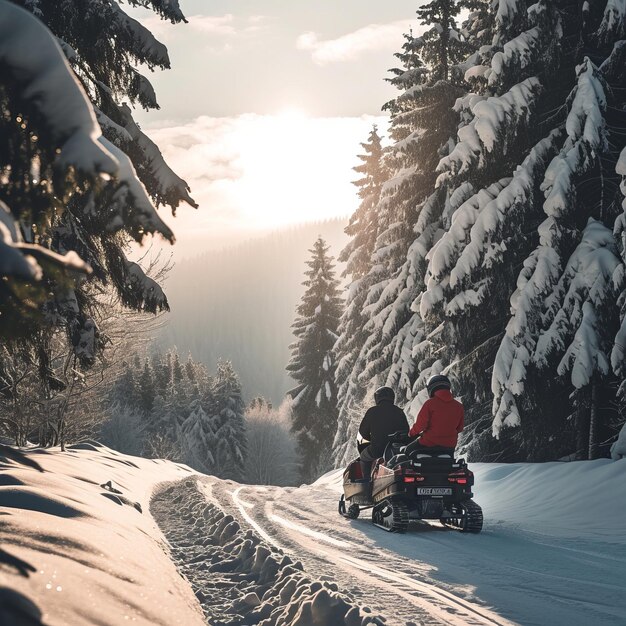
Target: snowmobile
column 406, row 485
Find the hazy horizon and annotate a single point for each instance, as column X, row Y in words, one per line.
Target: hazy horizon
column 222, row 300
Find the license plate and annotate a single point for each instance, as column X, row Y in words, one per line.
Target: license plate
column 434, row 491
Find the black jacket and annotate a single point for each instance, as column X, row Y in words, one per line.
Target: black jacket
column 382, row 420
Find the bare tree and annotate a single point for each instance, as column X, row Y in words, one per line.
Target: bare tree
column 48, row 395
column 272, row 456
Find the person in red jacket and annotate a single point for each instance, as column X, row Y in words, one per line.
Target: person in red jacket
column 440, row 419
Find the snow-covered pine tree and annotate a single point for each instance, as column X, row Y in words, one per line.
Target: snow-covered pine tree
column 414, row 356
column 363, row 227
column 197, row 440
column 409, row 210
column 47, row 128
column 579, row 183
column 499, row 167
column 227, row 419
column 491, row 208
column 102, row 44
column 583, row 319
column 312, row 364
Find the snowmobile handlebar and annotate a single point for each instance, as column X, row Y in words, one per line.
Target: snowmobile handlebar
column 400, row 436
column 361, row 445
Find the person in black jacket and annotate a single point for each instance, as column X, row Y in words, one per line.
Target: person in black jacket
column 380, row 421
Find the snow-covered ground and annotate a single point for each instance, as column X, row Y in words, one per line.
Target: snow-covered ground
column 553, row 549
column 102, row 538
column 73, row 552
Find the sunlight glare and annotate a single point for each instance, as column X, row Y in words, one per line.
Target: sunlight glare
column 292, row 114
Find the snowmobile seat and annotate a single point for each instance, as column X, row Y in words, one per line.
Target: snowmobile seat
column 424, row 455
column 417, row 451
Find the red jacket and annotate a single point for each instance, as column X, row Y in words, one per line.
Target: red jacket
column 440, row 420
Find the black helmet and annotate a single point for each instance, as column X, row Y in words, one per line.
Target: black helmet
column 384, row 393
column 437, row 382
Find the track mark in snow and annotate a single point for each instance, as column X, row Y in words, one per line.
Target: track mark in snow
column 484, row 615
column 442, row 604
column 307, row 531
column 241, row 507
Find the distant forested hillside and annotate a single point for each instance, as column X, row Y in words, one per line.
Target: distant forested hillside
column 239, row 304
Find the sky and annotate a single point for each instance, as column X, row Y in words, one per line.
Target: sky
column 265, row 106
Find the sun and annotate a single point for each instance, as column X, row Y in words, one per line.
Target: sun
column 292, row 114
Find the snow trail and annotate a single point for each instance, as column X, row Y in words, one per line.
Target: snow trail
column 236, row 577
column 441, row 604
column 241, row 506
column 547, row 554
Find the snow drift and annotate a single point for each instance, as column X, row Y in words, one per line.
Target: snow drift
column 79, row 546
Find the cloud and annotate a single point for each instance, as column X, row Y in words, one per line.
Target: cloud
column 352, row 46
column 254, row 173
column 223, row 26
column 213, row 24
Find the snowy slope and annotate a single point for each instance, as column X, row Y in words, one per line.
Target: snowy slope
column 81, row 545
column 553, row 549
column 88, row 555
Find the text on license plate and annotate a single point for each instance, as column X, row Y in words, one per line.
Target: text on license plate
column 434, row 491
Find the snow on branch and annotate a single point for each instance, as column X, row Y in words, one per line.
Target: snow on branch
column 116, row 133
column 496, row 121
column 145, row 45
column 32, row 59
column 12, row 261
column 131, row 206
column 443, row 256
column 508, row 12
column 169, row 187
column 141, row 88
column 142, row 291
column 613, row 25
column 613, row 67
column 587, row 138
column 580, row 305
column 486, row 239
column 168, row 9
column 27, row 261
column 527, row 49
